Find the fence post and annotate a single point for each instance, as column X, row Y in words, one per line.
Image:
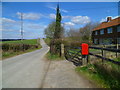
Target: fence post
column 102, row 54
column 62, row 50
column 87, row 59
column 117, row 49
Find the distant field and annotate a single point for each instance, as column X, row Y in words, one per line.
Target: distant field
column 30, row 41
column 13, row 48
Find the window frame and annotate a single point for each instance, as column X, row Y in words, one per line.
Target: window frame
column 117, row 28
column 109, row 30
column 96, row 32
column 102, row 32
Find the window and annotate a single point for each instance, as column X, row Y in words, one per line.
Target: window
column 101, row 41
column 118, row 40
column 109, row 30
column 102, row 31
column 118, row 29
column 106, row 41
column 95, row 41
column 96, row 33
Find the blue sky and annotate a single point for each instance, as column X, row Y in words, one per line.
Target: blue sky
column 37, row 15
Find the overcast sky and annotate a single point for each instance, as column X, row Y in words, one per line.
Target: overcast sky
column 37, row 15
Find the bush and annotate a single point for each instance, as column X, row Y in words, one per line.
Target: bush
column 17, row 47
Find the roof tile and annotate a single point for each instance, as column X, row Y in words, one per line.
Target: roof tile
column 103, row 25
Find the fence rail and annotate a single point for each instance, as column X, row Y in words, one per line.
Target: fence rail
column 107, row 49
column 75, row 56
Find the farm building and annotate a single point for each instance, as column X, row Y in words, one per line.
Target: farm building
column 107, row 32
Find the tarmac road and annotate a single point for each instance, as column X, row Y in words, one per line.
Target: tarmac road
column 26, row 70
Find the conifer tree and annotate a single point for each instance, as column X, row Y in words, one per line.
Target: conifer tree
column 58, row 32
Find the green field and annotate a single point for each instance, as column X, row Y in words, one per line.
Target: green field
column 30, row 41
column 13, row 48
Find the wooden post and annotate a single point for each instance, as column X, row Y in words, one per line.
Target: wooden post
column 102, row 54
column 84, row 60
column 87, row 59
column 117, row 49
column 62, row 50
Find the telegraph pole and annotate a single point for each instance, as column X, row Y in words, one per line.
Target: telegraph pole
column 21, row 15
column 21, row 26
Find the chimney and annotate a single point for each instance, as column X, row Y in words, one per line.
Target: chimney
column 109, row 19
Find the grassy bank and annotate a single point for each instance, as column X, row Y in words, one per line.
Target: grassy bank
column 105, row 75
column 13, row 48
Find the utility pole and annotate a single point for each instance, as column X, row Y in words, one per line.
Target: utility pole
column 21, row 15
column 21, row 26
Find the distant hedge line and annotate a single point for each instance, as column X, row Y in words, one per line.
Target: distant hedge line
column 18, row 47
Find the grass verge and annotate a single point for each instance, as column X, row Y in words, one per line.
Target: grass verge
column 50, row 56
column 105, row 75
column 9, row 54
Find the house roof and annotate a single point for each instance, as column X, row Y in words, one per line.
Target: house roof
column 103, row 25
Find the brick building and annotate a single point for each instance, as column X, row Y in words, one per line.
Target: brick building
column 107, row 32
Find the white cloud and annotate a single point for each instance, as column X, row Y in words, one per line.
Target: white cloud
column 105, row 19
column 69, row 24
column 52, row 8
column 35, row 26
column 7, row 20
column 80, row 19
column 52, row 16
column 31, row 16
column 5, row 29
column 67, row 17
column 62, row 10
column 11, row 29
column 8, row 24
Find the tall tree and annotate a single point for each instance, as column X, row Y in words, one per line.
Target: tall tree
column 55, row 44
column 58, row 31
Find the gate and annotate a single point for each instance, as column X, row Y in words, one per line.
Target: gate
column 73, row 54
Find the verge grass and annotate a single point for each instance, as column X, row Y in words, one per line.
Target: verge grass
column 53, row 57
column 105, row 75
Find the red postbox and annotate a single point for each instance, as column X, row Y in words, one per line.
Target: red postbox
column 85, row 49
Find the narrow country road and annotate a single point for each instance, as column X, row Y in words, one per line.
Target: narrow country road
column 32, row 70
column 26, row 70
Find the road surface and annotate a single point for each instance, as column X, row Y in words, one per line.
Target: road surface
column 32, row 70
column 26, row 70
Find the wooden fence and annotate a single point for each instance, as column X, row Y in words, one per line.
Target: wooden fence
column 73, row 54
